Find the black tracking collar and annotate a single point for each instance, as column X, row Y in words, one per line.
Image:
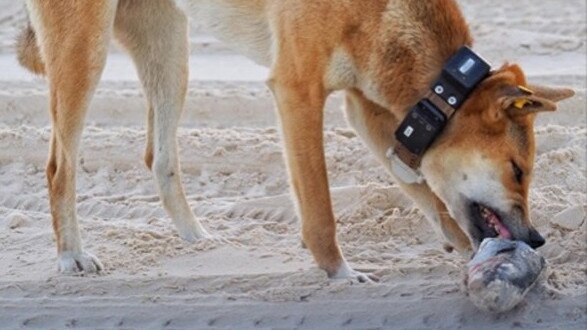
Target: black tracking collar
column 427, row 119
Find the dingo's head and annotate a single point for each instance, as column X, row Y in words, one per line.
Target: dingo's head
column 481, row 166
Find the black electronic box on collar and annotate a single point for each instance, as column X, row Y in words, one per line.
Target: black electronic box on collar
column 426, row 120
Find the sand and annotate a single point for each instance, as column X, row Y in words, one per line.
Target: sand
column 236, row 183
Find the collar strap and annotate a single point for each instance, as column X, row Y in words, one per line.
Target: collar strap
column 427, row 119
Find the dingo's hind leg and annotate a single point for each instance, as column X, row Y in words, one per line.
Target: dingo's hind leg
column 73, row 40
column 155, row 35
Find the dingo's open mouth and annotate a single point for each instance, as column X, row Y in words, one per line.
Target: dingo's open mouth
column 488, row 222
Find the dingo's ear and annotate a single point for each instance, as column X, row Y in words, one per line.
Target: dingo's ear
column 551, row 93
column 523, row 101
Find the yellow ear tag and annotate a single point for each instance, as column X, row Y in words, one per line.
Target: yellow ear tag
column 521, row 103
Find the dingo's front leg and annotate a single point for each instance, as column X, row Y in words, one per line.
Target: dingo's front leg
column 376, row 126
column 155, row 35
column 73, row 38
column 301, row 112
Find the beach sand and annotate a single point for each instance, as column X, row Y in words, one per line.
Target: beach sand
column 235, row 179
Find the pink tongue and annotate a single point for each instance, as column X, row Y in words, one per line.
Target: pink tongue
column 502, row 231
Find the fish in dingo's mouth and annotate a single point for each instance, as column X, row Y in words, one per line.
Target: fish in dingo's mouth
column 501, row 273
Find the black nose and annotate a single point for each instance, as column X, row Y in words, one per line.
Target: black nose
column 535, row 239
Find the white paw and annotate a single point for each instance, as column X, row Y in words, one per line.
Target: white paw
column 345, row 272
column 194, row 233
column 78, row 262
column 204, row 236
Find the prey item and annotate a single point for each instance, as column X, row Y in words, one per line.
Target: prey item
column 501, row 273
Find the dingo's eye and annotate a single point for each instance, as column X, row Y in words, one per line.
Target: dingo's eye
column 518, row 173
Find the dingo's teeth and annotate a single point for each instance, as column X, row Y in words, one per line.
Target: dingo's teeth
column 494, row 222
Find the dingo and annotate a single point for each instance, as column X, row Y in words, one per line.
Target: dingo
column 384, row 54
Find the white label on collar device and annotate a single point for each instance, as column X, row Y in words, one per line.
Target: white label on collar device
column 409, row 130
column 469, row 63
